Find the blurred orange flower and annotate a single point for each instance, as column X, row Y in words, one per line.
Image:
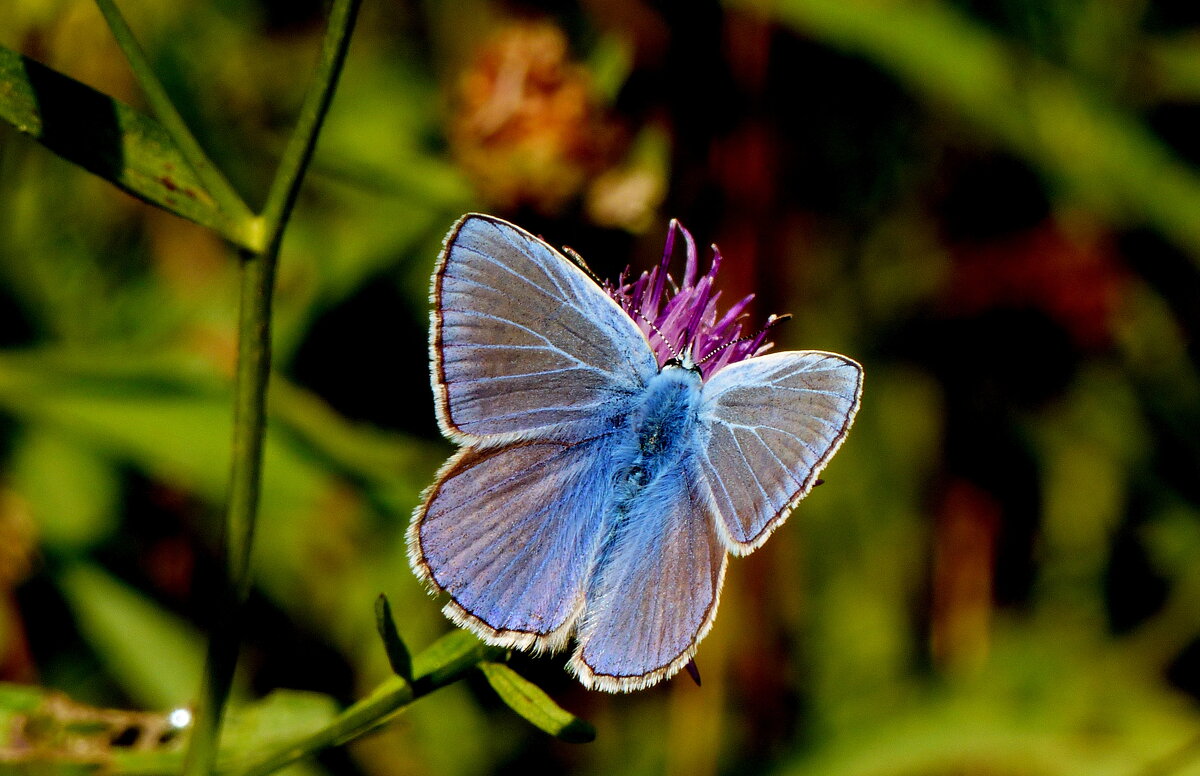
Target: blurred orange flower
column 526, row 124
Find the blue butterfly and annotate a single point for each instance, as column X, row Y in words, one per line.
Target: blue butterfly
column 597, row 493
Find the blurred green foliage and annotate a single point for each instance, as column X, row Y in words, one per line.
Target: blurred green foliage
column 992, row 204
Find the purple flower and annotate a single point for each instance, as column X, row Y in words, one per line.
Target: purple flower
column 688, row 318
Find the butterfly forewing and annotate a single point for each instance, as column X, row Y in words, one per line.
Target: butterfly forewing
column 510, row 532
column 523, row 343
column 774, row 421
column 655, row 591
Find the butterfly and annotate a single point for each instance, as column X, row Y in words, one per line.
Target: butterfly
column 597, row 492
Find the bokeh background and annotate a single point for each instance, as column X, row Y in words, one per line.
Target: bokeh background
column 994, row 205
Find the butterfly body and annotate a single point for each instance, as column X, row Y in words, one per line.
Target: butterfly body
column 658, row 431
column 654, row 441
column 597, row 495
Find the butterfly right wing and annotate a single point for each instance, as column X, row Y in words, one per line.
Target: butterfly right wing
column 656, row 587
column 510, row 534
column 523, row 343
column 774, row 421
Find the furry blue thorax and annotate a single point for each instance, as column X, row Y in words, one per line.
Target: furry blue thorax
column 658, row 430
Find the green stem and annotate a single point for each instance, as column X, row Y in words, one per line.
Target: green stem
column 359, row 719
column 249, row 426
column 369, row 713
column 282, row 196
column 218, row 187
column 253, row 371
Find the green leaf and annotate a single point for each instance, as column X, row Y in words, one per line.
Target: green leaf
column 451, row 655
column 108, row 138
column 397, row 652
column 528, row 700
column 155, row 655
column 71, row 491
column 282, row 716
column 40, row 384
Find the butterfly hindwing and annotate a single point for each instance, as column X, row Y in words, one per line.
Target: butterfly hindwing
column 655, row 591
column 510, row 533
column 523, row 343
column 773, row 423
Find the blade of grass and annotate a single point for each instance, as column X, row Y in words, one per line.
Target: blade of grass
column 253, row 371
column 397, row 652
column 531, row 702
column 214, row 182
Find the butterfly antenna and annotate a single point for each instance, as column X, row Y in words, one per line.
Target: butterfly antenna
column 583, row 266
column 719, row 348
column 675, row 352
column 579, row 262
column 771, row 322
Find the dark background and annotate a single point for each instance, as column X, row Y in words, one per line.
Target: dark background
column 994, row 206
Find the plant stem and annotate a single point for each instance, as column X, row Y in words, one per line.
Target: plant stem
column 393, row 694
column 249, row 426
column 361, row 718
column 218, row 187
column 286, row 186
column 253, row 371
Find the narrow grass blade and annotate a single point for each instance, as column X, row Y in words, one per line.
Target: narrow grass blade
column 532, row 703
column 397, row 652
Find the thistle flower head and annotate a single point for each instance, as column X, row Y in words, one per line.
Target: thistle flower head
column 679, row 318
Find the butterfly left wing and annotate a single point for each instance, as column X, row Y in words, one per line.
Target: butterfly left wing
column 654, row 594
column 510, row 533
column 774, row 421
column 523, row 343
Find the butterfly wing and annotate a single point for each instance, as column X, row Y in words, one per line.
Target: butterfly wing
column 523, row 343
column 774, row 421
column 510, row 533
column 655, row 592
